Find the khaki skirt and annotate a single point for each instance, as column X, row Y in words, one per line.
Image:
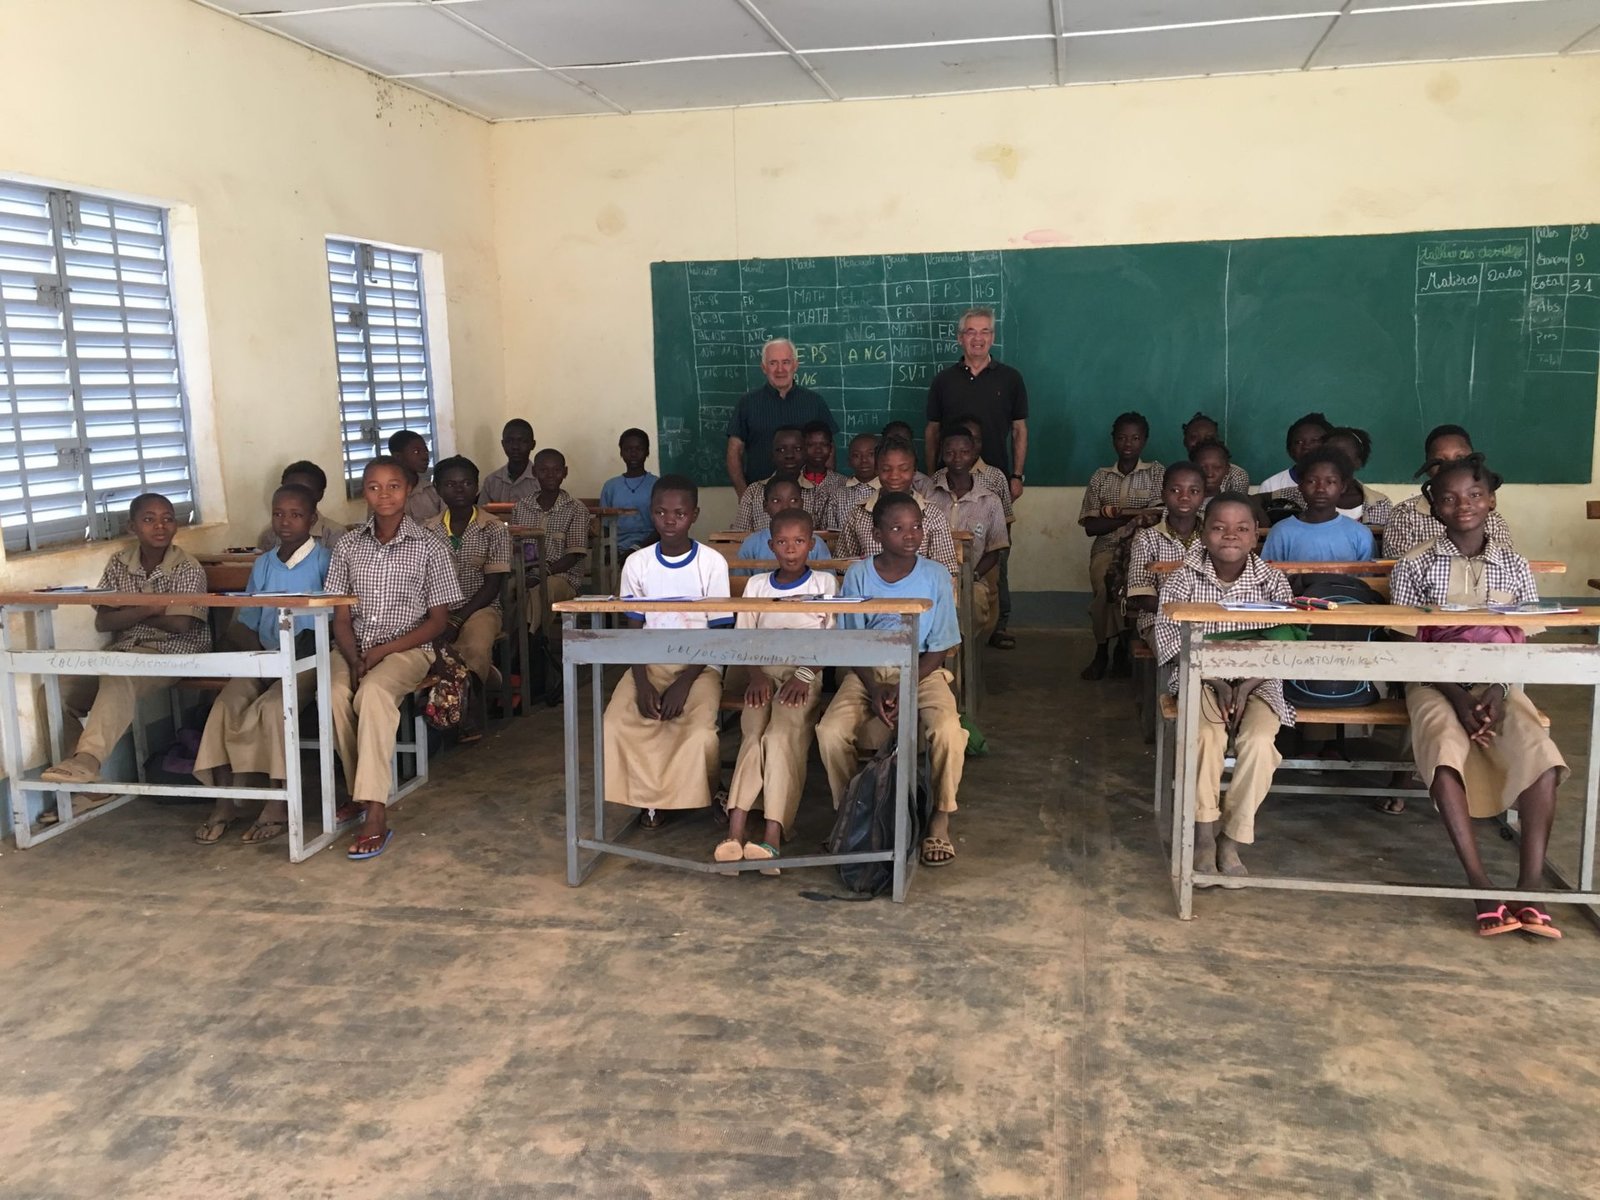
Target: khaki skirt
column 1496, row 774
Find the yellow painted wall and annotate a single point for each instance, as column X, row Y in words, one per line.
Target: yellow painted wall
column 584, row 205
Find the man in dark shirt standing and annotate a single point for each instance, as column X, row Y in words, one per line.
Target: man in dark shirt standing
column 984, row 387
column 759, row 413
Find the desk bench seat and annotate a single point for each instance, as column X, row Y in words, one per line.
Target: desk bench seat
column 1384, row 712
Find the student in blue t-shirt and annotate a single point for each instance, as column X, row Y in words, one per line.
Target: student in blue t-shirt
column 631, row 489
column 1320, row 533
column 865, row 708
column 781, row 496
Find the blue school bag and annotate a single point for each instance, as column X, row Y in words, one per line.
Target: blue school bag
column 1345, row 591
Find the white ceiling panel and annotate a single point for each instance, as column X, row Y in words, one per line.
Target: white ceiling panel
column 267, row 7
column 1588, row 45
column 827, row 24
column 929, row 70
column 712, row 83
column 1211, row 50
column 1475, row 31
column 403, row 40
column 512, row 95
column 573, row 32
column 1084, row 15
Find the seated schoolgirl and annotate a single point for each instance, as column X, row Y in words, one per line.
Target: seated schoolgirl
column 243, row 740
column 1169, row 540
column 1320, row 533
column 1479, row 745
column 1216, row 465
column 1224, row 566
column 1199, row 430
column 866, row 708
column 896, row 467
column 780, row 703
column 1304, row 436
column 1411, row 522
column 661, row 722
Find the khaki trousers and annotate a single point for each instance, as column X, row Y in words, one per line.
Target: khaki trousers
column 850, row 724
column 663, row 764
column 116, row 704
column 366, row 721
column 772, row 756
column 1105, row 619
column 245, row 728
column 540, row 615
column 476, row 641
column 985, row 605
column 1256, row 757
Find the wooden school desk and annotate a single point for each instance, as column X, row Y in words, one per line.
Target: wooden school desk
column 597, row 647
column 1392, row 662
column 49, row 662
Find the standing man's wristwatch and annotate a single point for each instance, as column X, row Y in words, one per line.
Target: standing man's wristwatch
column 1019, row 478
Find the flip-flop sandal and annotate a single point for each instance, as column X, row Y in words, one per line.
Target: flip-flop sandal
column 278, row 828
column 347, row 812
column 1497, row 921
column 937, row 852
column 220, row 824
column 719, row 806
column 357, row 855
column 728, row 851
column 1537, row 923
column 1002, row 641
column 760, row 852
column 84, row 802
column 652, row 818
column 1392, row 807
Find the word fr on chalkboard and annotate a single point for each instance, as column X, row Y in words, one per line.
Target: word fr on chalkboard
column 1495, row 329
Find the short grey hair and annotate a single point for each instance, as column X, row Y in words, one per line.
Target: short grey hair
column 985, row 312
column 777, row 341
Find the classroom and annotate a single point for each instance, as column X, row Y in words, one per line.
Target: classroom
column 555, row 444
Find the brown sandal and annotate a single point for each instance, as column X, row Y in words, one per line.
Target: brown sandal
column 937, row 852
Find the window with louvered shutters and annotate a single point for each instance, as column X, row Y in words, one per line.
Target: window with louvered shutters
column 380, row 328
column 92, row 405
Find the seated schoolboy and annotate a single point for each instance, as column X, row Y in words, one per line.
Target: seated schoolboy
column 563, row 528
column 410, row 449
column 243, row 740
column 788, row 456
column 479, row 545
column 921, row 485
column 780, row 703
column 1358, row 501
column 1168, row 540
column 405, row 586
column 896, row 464
column 819, row 472
column 1479, row 745
column 311, row 477
column 1320, row 533
column 782, row 495
column 1197, row 431
column 1216, row 465
column 1411, row 522
column 969, row 506
column 1305, row 435
column 154, row 563
column 661, row 721
column 631, row 489
column 863, row 455
column 1224, row 567
column 865, row 709
column 514, row 481
column 998, row 482
column 1119, row 501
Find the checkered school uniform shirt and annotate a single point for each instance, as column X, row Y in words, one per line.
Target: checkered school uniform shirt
column 1139, row 488
column 485, row 550
column 813, row 498
column 1197, row 581
column 1411, row 522
column 1157, row 543
column 1497, row 576
column 1376, row 508
column 830, row 504
column 858, row 539
column 394, row 583
column 562, row 531
column 991, row 479
column 1236, row 480
column 176, row 572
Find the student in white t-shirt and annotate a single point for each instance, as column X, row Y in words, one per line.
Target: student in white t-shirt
column 661, row 722
column 780, row 703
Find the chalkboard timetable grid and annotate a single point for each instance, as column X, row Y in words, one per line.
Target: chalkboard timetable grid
column 1496, row 329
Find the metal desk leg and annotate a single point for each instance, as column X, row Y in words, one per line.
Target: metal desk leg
column 906, row 768
column 1188, row 734
column 13, row 739
column 294, row 794
column 598, row 703
column 569, row 719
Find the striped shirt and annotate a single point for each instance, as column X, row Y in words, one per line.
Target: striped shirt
column 1411, row 522
column 176, row 572
column 859, row 540
column 395, row 583
column 1196, row 581
column 482, row 549
column 562, row 531
column 760, row 413
column 753, row 505
column 1436, row 572
column 1157, row 543
column 1139, row 488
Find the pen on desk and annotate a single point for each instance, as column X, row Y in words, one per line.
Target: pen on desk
column 1313, row 602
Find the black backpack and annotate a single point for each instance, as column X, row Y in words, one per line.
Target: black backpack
column 1343, row 590
column 865, row 822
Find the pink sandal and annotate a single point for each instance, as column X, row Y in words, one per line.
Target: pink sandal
column 1504, row 922
column 1537, row 923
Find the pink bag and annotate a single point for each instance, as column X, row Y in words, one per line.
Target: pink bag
column 1479, row 634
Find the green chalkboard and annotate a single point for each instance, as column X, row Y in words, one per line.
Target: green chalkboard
column 1495, row 329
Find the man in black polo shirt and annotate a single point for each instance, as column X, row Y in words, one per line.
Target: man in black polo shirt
column 759, row 413
column 986, row 388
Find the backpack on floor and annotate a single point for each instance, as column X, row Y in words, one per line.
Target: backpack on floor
column 1345, row 591
column 865, row 822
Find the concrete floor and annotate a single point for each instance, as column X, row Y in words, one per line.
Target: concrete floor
column 452, row 1021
